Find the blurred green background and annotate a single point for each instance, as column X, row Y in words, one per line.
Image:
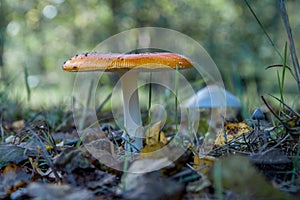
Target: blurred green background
column 41, row 34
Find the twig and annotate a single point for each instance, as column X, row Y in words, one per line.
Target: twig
column 2, row 131
column 262, row 27
column 45, row 154
column 276, row 145
column 286, row 22
column 292, row 110
column 85, row 110
column 99, row 108
column 247, row 143
column 271, row 110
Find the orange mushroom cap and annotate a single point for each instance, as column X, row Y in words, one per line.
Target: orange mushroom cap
column 123, row 62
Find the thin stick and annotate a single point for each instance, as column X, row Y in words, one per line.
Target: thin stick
column 99, row 108
column 292, row 110
column 45, row 153
column 2, row 131
column 262, row 27
column 286, row 22
column 85, row 110
column 176, row 101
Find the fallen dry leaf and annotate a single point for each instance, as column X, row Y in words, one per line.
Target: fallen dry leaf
column 12, row 178
column 148, row 165
column 18, row 125
column 154, row 135
column 203, row 164
column 13, row 154
column 152, row 186
column 72, row 158
column 152, row 151
column 51, row 191
column 233, row 130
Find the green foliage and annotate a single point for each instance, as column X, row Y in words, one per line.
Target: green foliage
column 43, row 34
column 238, row 174
column 26, row 82
column 281, row 81
column 10, row 109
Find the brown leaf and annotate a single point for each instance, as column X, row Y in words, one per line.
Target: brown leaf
column 152, row 186
column 233, row 130
column 203, row 164
column 154, row 135
column 13, row 177
column 51, row 191
column 72, row 158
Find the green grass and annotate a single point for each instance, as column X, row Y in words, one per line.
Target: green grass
column 282, row 79
column 176, row 99
column 217, row 177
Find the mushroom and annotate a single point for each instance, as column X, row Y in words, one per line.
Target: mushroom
column 215, row 98
column 131, row 64
column 258, row 115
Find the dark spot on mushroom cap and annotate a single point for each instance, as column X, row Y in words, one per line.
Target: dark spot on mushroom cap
column 258, row 114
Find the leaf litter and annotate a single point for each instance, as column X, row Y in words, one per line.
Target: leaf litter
column 39, row 161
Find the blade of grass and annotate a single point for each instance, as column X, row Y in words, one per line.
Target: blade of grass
column 280, row 89
column 284, row 64
column 45, row 153
column 85, row 110
column 263, row 28
column 296, row 163
column 99, row 108
column 2, row 131
column 176, row 100
column 26, row 82
column 125, row 168
column 286, row 22
column 281, row 85
column 287, row 106
column 217, row 176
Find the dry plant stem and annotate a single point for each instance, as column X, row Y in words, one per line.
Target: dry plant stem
column 99, row 108
column 132, row 113
column 288, row 107
column 273, row 147
column 2, row 131
column 286, row 22
column 247, row 143
column 45, row 154
column 263, row 28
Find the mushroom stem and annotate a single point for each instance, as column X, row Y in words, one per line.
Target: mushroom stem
column 132, row 113
column 214, row 122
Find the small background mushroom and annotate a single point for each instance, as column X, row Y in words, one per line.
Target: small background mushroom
column 218, row 100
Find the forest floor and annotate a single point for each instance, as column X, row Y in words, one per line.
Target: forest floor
column 43, row 157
